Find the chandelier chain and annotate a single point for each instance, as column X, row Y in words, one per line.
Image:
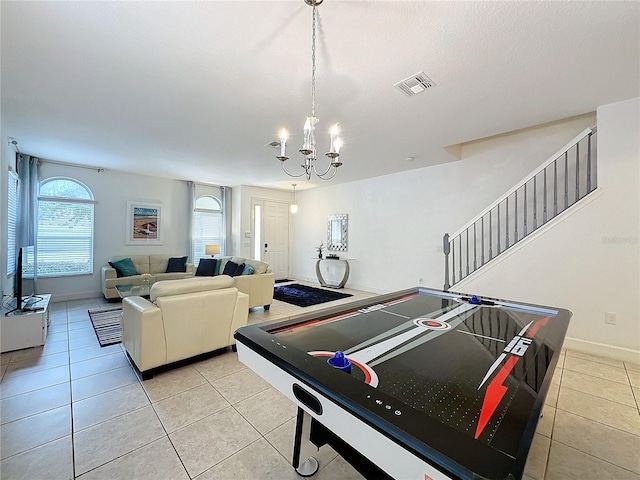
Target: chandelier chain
column 309, row 145
column 313, row 64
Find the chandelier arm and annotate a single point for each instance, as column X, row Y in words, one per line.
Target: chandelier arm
column 325, row 172
column 323, row 177
column 292, row 175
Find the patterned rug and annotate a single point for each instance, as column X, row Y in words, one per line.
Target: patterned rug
column 304, row 296
column 106, row 323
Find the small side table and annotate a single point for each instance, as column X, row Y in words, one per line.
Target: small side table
column 345, row 277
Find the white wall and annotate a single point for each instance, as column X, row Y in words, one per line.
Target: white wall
column 112, row 190
column 396, row 222
column 590, row 261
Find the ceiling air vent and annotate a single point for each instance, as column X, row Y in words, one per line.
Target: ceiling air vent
column 415, row 84
column 274, row 144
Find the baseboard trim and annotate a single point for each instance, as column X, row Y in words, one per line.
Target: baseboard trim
column 602, row 350
column 68, row 297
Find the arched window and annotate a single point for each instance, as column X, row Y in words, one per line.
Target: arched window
column 207, row 225
column 65, row 228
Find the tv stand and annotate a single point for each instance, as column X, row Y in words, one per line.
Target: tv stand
column 25, row 328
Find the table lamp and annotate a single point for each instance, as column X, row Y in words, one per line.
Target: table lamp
column 212, row 250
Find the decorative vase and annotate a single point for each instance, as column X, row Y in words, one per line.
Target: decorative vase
column 320, row 255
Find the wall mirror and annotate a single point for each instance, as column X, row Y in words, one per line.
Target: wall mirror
column 337, row 232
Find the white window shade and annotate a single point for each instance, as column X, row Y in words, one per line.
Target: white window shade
column 207, row 231
column 12, row 219
column 65, row 238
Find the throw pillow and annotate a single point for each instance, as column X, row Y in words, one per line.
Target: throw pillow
column 124, row 267
column 239, row 270
column 206, row 267
column 176, row 264
column 230, row 268
column 248, row 270
column 258, row 266
column 217, row 269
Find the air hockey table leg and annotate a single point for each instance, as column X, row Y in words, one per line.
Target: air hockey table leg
column 303, row 449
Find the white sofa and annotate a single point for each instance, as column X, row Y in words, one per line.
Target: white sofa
column 259, row 285
column 182, row 319
column 155, row 264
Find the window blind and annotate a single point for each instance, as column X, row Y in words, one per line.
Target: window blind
column 65, row 238
column 207, row 231
column 12, row 220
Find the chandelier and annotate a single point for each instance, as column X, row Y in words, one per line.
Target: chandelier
column 309, row 144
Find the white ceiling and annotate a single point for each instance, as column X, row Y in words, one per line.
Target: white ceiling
column 194, row 90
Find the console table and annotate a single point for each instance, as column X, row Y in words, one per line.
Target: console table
column 25, row 328
column 345, row 277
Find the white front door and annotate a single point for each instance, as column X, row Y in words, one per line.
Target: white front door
column 274, row 237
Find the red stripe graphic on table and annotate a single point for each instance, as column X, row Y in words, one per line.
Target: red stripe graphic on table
column 496, row 389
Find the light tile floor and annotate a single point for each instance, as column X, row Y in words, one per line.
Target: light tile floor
column 73, row 410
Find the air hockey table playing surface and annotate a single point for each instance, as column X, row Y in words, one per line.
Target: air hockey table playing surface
column 456, row 385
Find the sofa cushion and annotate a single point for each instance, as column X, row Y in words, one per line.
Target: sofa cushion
column 124, row 267
column 169, row 288
column 206, row 267
column 176, row 264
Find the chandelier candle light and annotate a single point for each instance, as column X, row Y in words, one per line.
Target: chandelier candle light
column 309, row 143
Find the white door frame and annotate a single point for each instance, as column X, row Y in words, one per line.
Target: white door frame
column 260, row 241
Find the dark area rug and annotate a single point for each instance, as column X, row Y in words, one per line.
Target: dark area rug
column 106, row 323
column 303, row 296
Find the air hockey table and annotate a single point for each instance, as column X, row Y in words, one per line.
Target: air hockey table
column 435, row 385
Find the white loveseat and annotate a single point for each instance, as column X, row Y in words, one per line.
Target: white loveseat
column 182, row 319
column 259, row 285
column 155, row 264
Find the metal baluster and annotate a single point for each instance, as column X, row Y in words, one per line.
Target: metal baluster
column 525, row 209
column 467, row 251
column 535, row 202
column 566, row 180
column 544, row 203
column 555, row 187
column 475, row 250
column 445, row 250
column 589, row 163
column 498, row 230
column 490, row 239
column 577, row 171
column 453, row 263
column 460, row 251
column 482, row 239
column 506, row 227
column 515, row 233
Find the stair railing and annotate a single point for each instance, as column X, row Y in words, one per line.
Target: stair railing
column 565, row 178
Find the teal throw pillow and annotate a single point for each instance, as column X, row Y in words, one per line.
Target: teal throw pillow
column 124, row 267
column 216, row 270
column 248, row 270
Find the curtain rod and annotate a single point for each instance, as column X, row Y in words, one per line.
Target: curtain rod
column 97, row 169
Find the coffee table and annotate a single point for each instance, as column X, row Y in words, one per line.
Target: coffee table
column 129, row 290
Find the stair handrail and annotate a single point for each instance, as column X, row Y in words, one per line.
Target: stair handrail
column 542, row 166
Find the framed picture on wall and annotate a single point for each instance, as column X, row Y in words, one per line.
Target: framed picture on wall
column 144, row 223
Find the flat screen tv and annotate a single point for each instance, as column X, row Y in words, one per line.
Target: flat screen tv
column 18, row 278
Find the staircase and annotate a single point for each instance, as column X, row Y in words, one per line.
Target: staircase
column 554, row 187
